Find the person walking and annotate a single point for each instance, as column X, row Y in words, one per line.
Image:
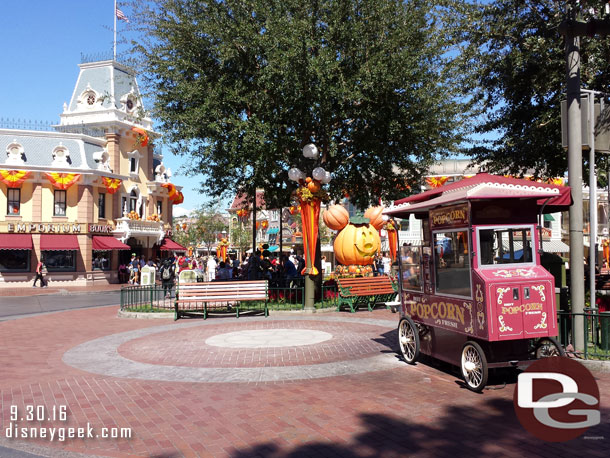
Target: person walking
column 254, row 266
column 168, row 275
column 41, row 270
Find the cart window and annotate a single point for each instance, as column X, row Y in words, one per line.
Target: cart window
column 410, row 258
column 452, row 263
column 505, row 246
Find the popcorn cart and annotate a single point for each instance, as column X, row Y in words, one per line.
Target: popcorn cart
column 474, row 294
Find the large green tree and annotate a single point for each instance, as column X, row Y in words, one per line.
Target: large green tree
column 241, row 86
column 517, row 57
column 203, row 227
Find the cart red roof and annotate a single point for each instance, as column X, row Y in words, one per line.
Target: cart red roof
column 484, row 186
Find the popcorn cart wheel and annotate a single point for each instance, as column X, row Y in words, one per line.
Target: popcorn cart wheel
column 548, row 347
column 408, row 340
column 474, row 366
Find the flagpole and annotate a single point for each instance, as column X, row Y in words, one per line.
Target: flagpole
column 114, row 43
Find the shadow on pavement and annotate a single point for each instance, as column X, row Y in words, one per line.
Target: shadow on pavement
column 492, row 430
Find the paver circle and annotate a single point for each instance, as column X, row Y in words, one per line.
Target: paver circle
column 268, row 338
column 101, row 356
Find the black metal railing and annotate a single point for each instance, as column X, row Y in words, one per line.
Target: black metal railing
column 596, row 330
column 25, row 124
column 147, row 299
column 290, row 296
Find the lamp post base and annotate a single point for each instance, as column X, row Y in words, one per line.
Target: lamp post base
column 310, row 291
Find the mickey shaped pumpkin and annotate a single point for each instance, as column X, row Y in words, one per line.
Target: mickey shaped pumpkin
column 358, row 240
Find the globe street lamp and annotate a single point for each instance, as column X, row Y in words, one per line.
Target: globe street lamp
column 310, row 195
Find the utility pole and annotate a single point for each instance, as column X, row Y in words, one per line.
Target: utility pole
column 572, row 30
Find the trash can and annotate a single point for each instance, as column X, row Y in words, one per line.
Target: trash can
column 604, row 324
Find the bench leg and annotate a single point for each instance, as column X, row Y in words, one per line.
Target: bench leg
column 237, row 311
column 353, row 305
column 176, row 313
column 266, row 310
column 205, row 310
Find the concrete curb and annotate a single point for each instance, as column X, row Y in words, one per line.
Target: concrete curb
column 145, row 315
column 151, row 315
column 595, row 365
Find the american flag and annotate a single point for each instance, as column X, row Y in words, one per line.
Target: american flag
column 120, row 15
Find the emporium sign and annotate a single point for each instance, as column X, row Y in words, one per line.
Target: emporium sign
column 456, row 215
column 58, row 228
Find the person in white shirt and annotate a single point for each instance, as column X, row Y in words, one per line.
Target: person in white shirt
column 387, row 262
column 211, row 268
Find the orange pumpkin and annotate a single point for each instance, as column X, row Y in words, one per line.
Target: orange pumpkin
column 357, row 244
column 375, row 216
column 336, row 217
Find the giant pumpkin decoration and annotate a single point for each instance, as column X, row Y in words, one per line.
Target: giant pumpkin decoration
column 336, row 217
column 375, row 216
column 357, row 242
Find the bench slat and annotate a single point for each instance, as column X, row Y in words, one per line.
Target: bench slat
column 199, row 296
column 370, row 290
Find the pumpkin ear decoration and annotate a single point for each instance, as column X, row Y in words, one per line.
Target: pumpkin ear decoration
column 336, row 217
column 374, row 214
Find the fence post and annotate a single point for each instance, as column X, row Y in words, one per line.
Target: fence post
column 586, row 332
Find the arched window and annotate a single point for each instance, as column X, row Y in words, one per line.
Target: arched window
column 133, row 200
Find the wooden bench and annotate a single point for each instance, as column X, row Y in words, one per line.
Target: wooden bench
column 199, row 297
column 365, row 290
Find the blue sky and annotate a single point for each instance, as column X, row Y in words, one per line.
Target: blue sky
column 42, row 42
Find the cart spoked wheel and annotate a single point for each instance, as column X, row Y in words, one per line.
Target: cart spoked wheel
column 408, row 340
column 474, row 366
column 548, row 347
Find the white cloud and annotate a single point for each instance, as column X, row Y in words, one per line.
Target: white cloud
column 180, row 211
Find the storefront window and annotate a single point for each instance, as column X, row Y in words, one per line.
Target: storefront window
column 411, row 267
column 13, row 201
column 15, row 260
column 101, row 205
column 60, row 203
column 452, row 263
column 101, row 260
column 159, row 207
column 60, row 261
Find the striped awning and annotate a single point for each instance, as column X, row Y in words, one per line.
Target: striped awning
column 555, row 246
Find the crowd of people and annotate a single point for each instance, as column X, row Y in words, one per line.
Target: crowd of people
column 262, row 265
column 281, row 271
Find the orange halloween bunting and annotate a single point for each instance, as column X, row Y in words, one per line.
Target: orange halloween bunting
column 112, row 184
column 141, row 136
column 14, row 178
column 62, row 180
column 436, row 182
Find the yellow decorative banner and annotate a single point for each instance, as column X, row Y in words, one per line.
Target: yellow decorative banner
column 14, row 178
column 112, row 184
column 436, row 182
column 62, row 180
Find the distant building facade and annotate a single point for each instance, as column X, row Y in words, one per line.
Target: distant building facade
column 86, row 195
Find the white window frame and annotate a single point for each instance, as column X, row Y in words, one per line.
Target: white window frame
column 512, row 265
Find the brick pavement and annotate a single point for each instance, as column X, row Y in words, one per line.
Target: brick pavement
column 402, row 410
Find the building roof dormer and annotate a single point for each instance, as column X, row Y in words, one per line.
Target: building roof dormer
column 106, row 95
